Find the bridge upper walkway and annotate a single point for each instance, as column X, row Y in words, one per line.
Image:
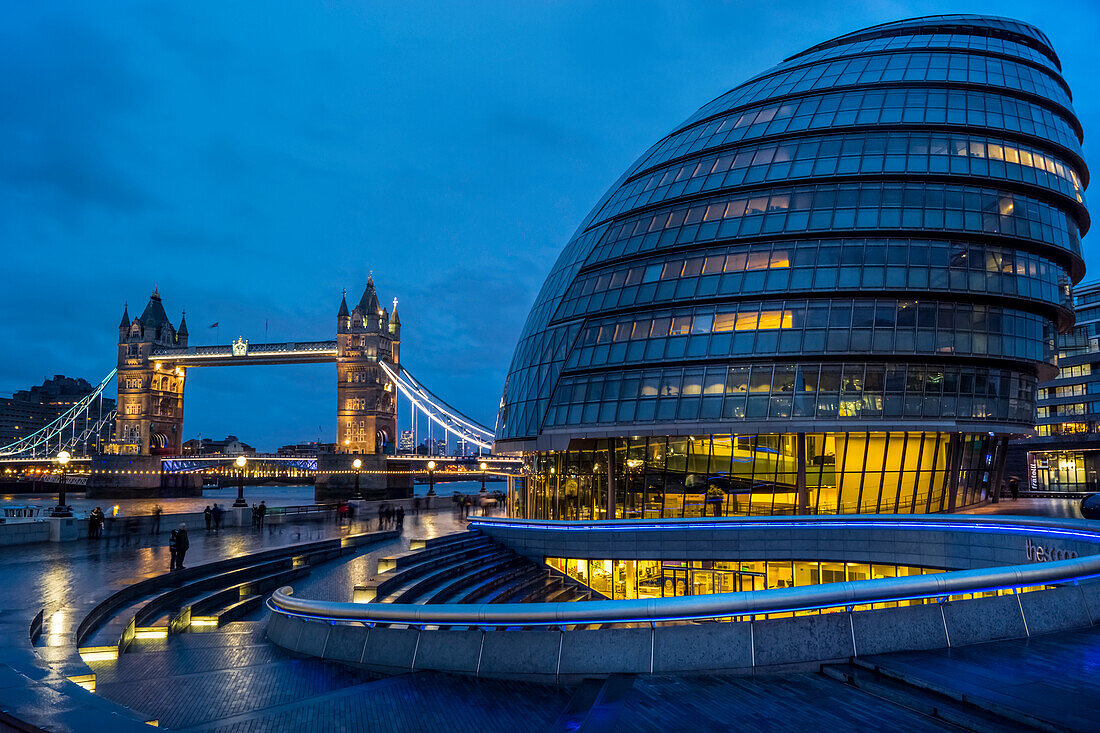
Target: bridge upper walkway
column 244, row 353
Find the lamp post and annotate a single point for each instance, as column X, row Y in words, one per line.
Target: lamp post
column 431, row 478
column 357, row 464
column 61, row 510
column 240, row 463
column 483, row 467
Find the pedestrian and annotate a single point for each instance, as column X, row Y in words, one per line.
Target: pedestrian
column 173, row 550
column 208, row 515
column 261, row 512
column 255, row 516
column 416, row 506
column 217, row 512
column 400, row 517
column 95, row 524
column 1014, row 487
column 381, row 514
column 182, row 543
column 157, row 511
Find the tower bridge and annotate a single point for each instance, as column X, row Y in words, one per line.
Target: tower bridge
column 154, row 363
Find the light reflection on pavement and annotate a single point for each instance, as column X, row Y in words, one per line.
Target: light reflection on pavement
column 66, row 578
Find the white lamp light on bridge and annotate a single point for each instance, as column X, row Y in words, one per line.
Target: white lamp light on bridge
column 240, row 464
column 62, row 510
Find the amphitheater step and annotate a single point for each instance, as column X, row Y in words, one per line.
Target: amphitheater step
column 939, row 704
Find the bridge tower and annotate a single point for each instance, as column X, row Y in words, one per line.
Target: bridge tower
column 366, row 405
column 150, row 394
column 366, row 412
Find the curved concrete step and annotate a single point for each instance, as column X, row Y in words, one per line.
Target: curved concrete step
column 419, row 586
column 448, row 592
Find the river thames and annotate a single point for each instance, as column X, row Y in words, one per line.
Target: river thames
column 273, row 496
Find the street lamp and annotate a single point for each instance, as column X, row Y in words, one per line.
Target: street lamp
column 431, row 478
column 357, row 464
column 240, row 462
column 484, row 465
column 61, row 510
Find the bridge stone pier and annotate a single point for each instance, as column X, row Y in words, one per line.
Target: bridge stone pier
column 154, row 364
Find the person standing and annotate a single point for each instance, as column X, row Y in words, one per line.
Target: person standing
column 416, row 506
column 208, row 515
column 261, row 512
column 157, row 511
column 381, row 514
column 217, row 512
column 182, row 543
column 173, row 550
column 1014, row 487
column 95, row 524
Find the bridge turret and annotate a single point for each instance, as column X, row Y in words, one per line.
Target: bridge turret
column 124, row 325
column 370, row 310
column 343, row 318
column 395, row 334
column 181, row 333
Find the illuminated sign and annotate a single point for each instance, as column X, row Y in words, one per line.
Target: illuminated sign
column 1038, row 553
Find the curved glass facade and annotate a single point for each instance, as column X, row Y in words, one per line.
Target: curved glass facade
column 831, row 289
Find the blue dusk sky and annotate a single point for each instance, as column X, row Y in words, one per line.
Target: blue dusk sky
column 253, row 159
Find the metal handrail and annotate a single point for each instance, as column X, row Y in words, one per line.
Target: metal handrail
column 685, row 608
column 778, row 600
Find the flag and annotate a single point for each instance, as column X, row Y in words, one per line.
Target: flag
column 214, row 324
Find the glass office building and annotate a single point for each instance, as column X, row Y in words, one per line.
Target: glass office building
column 832, row 289
column 1063, row 457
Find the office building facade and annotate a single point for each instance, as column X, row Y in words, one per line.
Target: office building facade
column 1064, row 454
column 833, row 289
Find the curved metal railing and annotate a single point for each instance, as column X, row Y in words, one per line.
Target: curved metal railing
column 722, row 605
column 686, row 608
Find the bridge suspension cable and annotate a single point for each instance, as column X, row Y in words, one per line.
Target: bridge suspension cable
column 437, row 410
column 71, row 431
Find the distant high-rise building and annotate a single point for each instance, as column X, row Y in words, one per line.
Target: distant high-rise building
column 432, row 447
column 304, row 450
column 1064, row 454
column 28, row 410
column 407, row 443
column 230, row 446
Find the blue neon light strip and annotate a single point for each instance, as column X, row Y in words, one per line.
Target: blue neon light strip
column 559, row 614
column 679, row 524
column 658, row 618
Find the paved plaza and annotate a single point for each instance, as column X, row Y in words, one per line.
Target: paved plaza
column 233, row 679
